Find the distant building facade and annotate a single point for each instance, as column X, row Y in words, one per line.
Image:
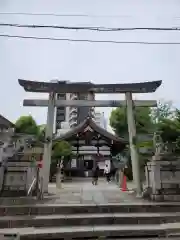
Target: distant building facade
column 73, row 115
column 62, row 113
column 70, row 117
column 100, row 120
column 79, row 114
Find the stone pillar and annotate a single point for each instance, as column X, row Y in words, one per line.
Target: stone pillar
column 132, row 138
column 58, row 178
column 48, row 142
column 154, row 177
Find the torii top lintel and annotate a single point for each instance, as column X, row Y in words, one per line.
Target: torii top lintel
column 84, row 87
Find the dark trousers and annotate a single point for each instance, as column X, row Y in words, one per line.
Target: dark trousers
column 95, row 180
column 108, row 177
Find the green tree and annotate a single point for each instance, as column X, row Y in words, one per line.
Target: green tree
column 164, row 110
column 167, row 121
column 144, row 125
column 61, row 150
column 41, row 132
column 27, row 125
column 118, row 120
column 164, row 119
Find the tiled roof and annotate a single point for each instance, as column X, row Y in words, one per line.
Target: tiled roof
column 89, row 122
column 5, row 123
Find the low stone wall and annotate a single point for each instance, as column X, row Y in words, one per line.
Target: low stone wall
column 163, row 178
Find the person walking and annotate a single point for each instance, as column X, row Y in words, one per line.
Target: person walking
column 95, row 175
column 107, row 173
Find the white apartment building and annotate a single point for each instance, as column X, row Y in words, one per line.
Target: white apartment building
column 62, row 113
column 99, row 119
column 79, row 114
column 73, row 115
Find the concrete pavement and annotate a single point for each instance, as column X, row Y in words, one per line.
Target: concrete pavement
column 83, row 192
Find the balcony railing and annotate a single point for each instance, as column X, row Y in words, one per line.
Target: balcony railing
column 72, row 124
column 73, row 109
column 73, row 116
column 73, row 96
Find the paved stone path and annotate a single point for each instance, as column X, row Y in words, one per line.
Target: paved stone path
column 83, row 192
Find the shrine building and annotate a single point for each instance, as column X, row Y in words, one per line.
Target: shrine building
column 91, row 144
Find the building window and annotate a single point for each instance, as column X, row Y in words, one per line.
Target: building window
column 60, row 117
column 83, row 97
column 60, row 108
column 61, row 96
column 58, row 123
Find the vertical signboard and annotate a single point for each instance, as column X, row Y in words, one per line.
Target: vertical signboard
column 73, row 163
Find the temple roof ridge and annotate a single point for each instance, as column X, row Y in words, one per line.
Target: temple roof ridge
column 89, row 121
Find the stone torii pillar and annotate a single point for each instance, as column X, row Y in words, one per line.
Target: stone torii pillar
column 48, row 142
column 132, row 144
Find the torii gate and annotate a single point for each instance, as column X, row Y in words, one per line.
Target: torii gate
column 87, row 87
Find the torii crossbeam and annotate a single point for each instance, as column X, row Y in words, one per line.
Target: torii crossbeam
column 87, row 103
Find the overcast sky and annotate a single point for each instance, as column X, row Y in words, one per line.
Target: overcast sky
column 97, row 62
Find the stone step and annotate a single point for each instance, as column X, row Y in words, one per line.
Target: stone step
column 95, row 238
column 89, row 232
column 20, row 200
column 131, row 238
column 88, row 219
column 14, row 237
column 48, row 209
column 17, row 200
column 174, row 235
column 9, row 193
